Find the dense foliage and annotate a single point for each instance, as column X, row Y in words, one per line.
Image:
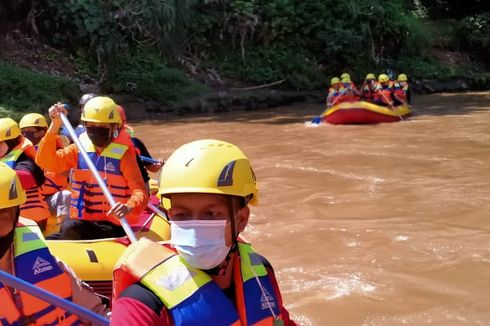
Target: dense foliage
column 24, row 91
column 301, row 43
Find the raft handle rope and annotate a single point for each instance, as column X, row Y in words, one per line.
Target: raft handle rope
column 100, row 181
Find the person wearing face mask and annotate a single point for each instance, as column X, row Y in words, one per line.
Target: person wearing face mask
column 115, row 159
column 208, row 274
column 18, row 152
column 24, row 254
column 33, row 126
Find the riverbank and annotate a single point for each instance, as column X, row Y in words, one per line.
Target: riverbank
column 233, row 100
column 34, row 75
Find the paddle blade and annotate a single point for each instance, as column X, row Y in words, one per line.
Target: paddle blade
column 316, row 120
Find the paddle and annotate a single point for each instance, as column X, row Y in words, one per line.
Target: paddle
column 149, row 160
column 317, row 120
column 391, row 105
column 97, row 176
column 157, row 211
column 55, row 300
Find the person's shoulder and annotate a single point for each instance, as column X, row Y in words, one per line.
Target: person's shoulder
column 265, row 262
column 141, row 293
column 25, row 162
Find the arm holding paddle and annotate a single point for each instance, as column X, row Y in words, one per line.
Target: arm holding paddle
column 66, row 305
column 135, row 183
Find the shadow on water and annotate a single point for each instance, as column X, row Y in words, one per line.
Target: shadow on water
column 424, row 105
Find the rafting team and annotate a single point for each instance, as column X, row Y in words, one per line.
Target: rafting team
column 206, row 275
column 384, row 92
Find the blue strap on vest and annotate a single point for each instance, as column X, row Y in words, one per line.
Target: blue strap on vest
column 201, row 308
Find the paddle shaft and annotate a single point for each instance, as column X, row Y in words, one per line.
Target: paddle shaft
column 97, row 176
column 55, row 300
column 149, row 160
column 388, row 101
column 338, row 97
column 157, row 211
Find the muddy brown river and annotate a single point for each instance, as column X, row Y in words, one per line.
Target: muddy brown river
column 366, row 225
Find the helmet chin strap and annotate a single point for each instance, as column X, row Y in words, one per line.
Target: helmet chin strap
column 221, row 268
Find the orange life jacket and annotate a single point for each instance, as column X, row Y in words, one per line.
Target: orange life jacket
column 368, row 92
column 400, row 91
column 191, row 296
column 87, row 200
column 383, row 94
column 55, row 182
column 35, row 208
column 34, row 263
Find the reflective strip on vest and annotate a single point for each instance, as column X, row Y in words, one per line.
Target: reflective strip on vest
column 11, row 158
column 256, row 284
column 34, row 263
column 176, row 281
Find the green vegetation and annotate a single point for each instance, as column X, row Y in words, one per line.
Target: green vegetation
column 24, row 91
column 143, row 46
column 147, row 76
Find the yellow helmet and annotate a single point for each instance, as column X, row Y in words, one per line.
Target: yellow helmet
column 33, row 120
column 370, row 76
column 346, row 80
column 334, row 80
column 9, row 129
column 209, row 166
column 383, row 78
column 402, row 78
column 101, row 109
column 345, row 75
column 11, row 191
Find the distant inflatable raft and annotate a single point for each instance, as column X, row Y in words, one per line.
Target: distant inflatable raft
column 364, row 113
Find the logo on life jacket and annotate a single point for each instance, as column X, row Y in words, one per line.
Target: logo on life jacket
column 110, row 167
column 267, row 300
column 41, row 266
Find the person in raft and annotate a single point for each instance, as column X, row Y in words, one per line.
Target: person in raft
column 24, row 254
column 33, row 126
column 91, row 216
column 18, row 152
column 208, row 274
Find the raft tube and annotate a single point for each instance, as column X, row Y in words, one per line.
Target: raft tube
column 93, row 261
column 364, row 113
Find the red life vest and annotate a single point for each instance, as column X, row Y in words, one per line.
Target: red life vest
column 35, row 208
column 383, row 94
column 191, row 297
column 87, row 200
column 34, row 263
column 368, row 92
column 400, row 91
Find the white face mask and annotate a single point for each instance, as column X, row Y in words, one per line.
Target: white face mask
column 201, row 243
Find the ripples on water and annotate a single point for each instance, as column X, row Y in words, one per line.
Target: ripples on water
column 367, row 225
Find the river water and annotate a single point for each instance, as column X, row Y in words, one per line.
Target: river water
column 366, row 225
